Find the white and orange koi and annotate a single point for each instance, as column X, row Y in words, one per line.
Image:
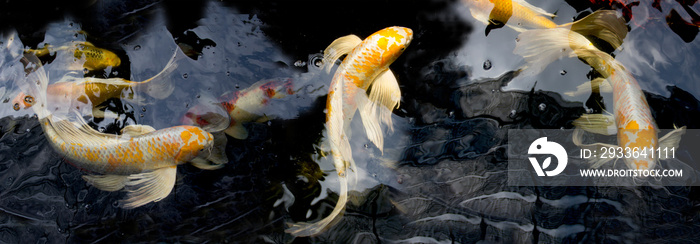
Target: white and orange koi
column 243, row 106
column 83, row 93
column 632, row 120
column 366, row 67
column 142, row 160
column 521, row 16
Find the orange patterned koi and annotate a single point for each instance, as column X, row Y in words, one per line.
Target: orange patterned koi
column 142, row 160
column 631, row 120
column 95, row 58
column 244, row 106
column 521, row 16
column 366, row 67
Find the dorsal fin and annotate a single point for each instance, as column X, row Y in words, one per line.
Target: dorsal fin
column 338, row 48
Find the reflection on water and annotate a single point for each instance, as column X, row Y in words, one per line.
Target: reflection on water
column 442, row 176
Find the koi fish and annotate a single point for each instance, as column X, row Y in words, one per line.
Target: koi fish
column 87, row 92
column 366, row 67
column 631, row 121
column 141, row 160
column 521, row 16
column 95, row 58
column 242, row 106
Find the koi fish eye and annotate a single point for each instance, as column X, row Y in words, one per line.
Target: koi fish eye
column 29, row 100
column 16, row 107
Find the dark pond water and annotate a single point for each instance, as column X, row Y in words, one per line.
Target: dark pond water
column 442, row 176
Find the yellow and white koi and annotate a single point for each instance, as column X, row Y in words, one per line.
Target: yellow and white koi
column 366, row 67
column 521, row 16
column 87, row 92
column 95, row 58
column 632, row 120
column 142, row 160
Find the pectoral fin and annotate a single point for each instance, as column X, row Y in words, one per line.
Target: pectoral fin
column 596, row 162
column 671, row 140
column 384, row 96
column 149, row 187
column 237, row 131
column 214, row 158
column 338, row 48
column 106, row 182
column 597, row 123
column 598, row 85
column 205, row 164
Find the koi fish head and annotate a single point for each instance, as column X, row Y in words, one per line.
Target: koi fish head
column 391, row 42
column 22, row 101
column 209, row 117
column 194, row 141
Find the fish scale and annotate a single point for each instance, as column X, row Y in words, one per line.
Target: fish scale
column 130, row 155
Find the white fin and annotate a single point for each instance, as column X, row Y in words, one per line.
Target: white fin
column 598, row 147
column 79, row 133
column 137, row 130
column 671, row 140
column 599, row 85
column 607, row 25
column 106, row 182
column 385, row 90
column 160, row 85
column 309, row 229
column 542, row 47
column 149, row 187
column 338, row 48
column 237, row 131
column 597, row 123
column 534, row 9
column 214, row 157
column 205, row 164
column 371, row 114
column 539, row 48
column 479, row 15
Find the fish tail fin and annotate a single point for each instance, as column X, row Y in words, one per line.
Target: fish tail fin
column 160, row 86
column 607, row 25
column 312, row 229
column 338, row 48
column 541, row 47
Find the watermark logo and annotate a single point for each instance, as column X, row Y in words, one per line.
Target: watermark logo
column 542, row 146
